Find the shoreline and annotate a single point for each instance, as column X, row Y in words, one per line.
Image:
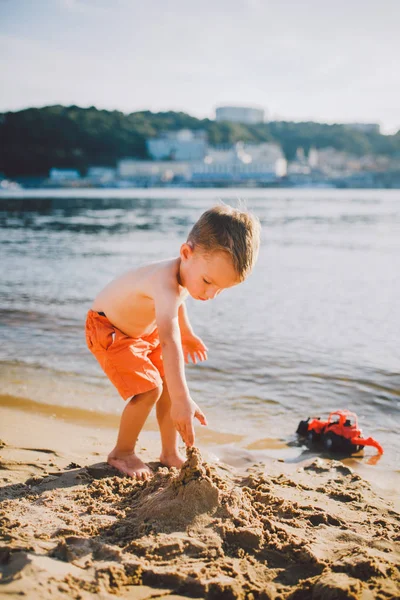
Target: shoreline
column 234, row 449
column 195, row 192
column 73, row 528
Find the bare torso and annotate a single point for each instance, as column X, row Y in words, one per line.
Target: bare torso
column 128, row 300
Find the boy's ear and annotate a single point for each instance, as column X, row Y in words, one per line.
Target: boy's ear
column 186, row 251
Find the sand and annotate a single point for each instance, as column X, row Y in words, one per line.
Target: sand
column 71, row 527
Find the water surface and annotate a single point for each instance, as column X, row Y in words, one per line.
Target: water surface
column 315, row 328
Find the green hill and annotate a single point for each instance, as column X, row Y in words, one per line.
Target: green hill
column 36, row 139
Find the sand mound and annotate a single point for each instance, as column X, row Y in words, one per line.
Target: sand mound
column 202, row 532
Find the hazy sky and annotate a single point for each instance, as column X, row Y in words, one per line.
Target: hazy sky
column 322, row 60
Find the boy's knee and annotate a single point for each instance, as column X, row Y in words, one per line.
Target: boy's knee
column 157, row 393
column 152, row 396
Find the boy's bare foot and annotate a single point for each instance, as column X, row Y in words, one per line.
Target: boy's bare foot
column 129, row 464
column 172, row 460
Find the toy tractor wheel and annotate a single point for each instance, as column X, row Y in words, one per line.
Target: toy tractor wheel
column 311, row 438
column 336, row 443
column 331, row 441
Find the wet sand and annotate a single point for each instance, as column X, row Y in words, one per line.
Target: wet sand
column 71, row 527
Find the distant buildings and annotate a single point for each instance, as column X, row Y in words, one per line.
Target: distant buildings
column 185, row 157
column 178, row 145
column 60, row 175
column 101, row 175
column 241, row 163
column 328, row 166
column 152, row 171
column 204, row 164
column 239, row 114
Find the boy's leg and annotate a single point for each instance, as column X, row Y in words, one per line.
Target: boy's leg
column 133, row 418
column 170, row 455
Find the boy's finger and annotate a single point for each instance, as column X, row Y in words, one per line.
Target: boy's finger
column 189, row 435
column 200, row 416
column 181, row 431
column 193, row 358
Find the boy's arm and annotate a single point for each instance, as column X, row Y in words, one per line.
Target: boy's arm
column 192, row 345
column 183, row 409
column 184, row 323
column 167, row 319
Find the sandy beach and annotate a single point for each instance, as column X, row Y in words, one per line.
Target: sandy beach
column 71, row 527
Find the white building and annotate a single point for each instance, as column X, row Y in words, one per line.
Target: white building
column 64, row 174
column 241, row 163
column 178, row 145
column 313, row 158
column 239, row 114
column 152, row 170
column 101, row 174
column 334, row 163
column 331, row 161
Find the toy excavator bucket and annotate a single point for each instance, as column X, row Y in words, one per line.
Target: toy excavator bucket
column 367, row 442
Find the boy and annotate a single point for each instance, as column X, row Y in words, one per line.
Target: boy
column 139, row 330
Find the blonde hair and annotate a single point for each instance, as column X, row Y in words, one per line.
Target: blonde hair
column 227, row 229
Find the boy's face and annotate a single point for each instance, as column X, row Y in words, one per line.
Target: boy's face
column 206, row 275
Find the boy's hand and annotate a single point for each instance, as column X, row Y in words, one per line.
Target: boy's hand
column 194, row 348
column 182, row 414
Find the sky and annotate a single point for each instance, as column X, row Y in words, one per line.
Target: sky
column 320, row 60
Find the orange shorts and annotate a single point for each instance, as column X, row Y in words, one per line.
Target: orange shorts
column 133, row 365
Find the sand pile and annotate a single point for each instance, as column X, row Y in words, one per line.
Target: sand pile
column 203, row 532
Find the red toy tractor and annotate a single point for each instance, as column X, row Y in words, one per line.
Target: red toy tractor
column 340, row 433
